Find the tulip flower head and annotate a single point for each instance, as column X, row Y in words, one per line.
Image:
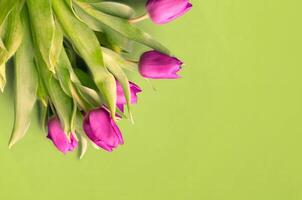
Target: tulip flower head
column 102, row 130
column 156, row 65
column 164, row 11
column 57, row 135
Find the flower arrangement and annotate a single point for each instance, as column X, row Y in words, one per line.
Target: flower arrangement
column 71, row 57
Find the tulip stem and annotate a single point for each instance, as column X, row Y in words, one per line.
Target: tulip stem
column 139, row 18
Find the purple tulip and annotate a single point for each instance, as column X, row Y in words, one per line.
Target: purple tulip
column 164, row 11
column 58, row 137
column 121, row 99
column 102, row 130
column 156, row 65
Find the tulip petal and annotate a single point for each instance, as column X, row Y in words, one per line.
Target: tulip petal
column 104, row 146
column 121, row 99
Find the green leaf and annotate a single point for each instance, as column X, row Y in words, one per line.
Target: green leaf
column 43, row 113
column 70, row 83
column 109, row 36
column 88, row 98
column 72, row 55
column 65, row 106
column 113, row 62
column 63, row 71
column 42, row 93
column 83, row 146
column 115, row 41
column 91, row 1
column 2, row 46
column 70, row 4
column 83, row 138
column 57, row 45
column 26, row 84
column 115, row 9
column 89, row 49
column 111, row 56
column 13, row 34
column 85, row 79
column 12, row 40
column 48, row 38
column 6, row 7
column 104, row 21
column 2, row 77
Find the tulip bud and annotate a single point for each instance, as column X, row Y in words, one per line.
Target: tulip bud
column 156, row 65
column 121, row 99
column 164, row 11
column 58, row 137
column 102, row 130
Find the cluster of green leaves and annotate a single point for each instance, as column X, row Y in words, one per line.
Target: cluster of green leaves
column 67, row 56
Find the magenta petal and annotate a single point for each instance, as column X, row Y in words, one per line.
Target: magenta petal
column 121, row 99
column 120, row 94
column 104, row 146
column 164, row 11
column 120, row 107
column 134, row 89
column 73, row 142
column 117, row 132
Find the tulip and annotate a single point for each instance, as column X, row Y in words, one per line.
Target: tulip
column 121, row 99
column 58, row 137
column 102, row 130
column 156, row 65
column 164, row 11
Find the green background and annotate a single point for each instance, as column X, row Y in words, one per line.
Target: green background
column 229, row 129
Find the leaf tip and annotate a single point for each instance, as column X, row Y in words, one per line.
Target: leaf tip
column 11, row 144
column 131, row 117
column 13, row 140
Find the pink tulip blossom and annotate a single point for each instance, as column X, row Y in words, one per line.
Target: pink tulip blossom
column 156, row 65
column 58, row 137
column 102, row 130
column 164, row 11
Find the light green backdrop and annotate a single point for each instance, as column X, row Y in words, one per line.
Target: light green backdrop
column 230, row 129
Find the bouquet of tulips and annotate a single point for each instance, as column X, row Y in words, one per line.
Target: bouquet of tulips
column 72, row 57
